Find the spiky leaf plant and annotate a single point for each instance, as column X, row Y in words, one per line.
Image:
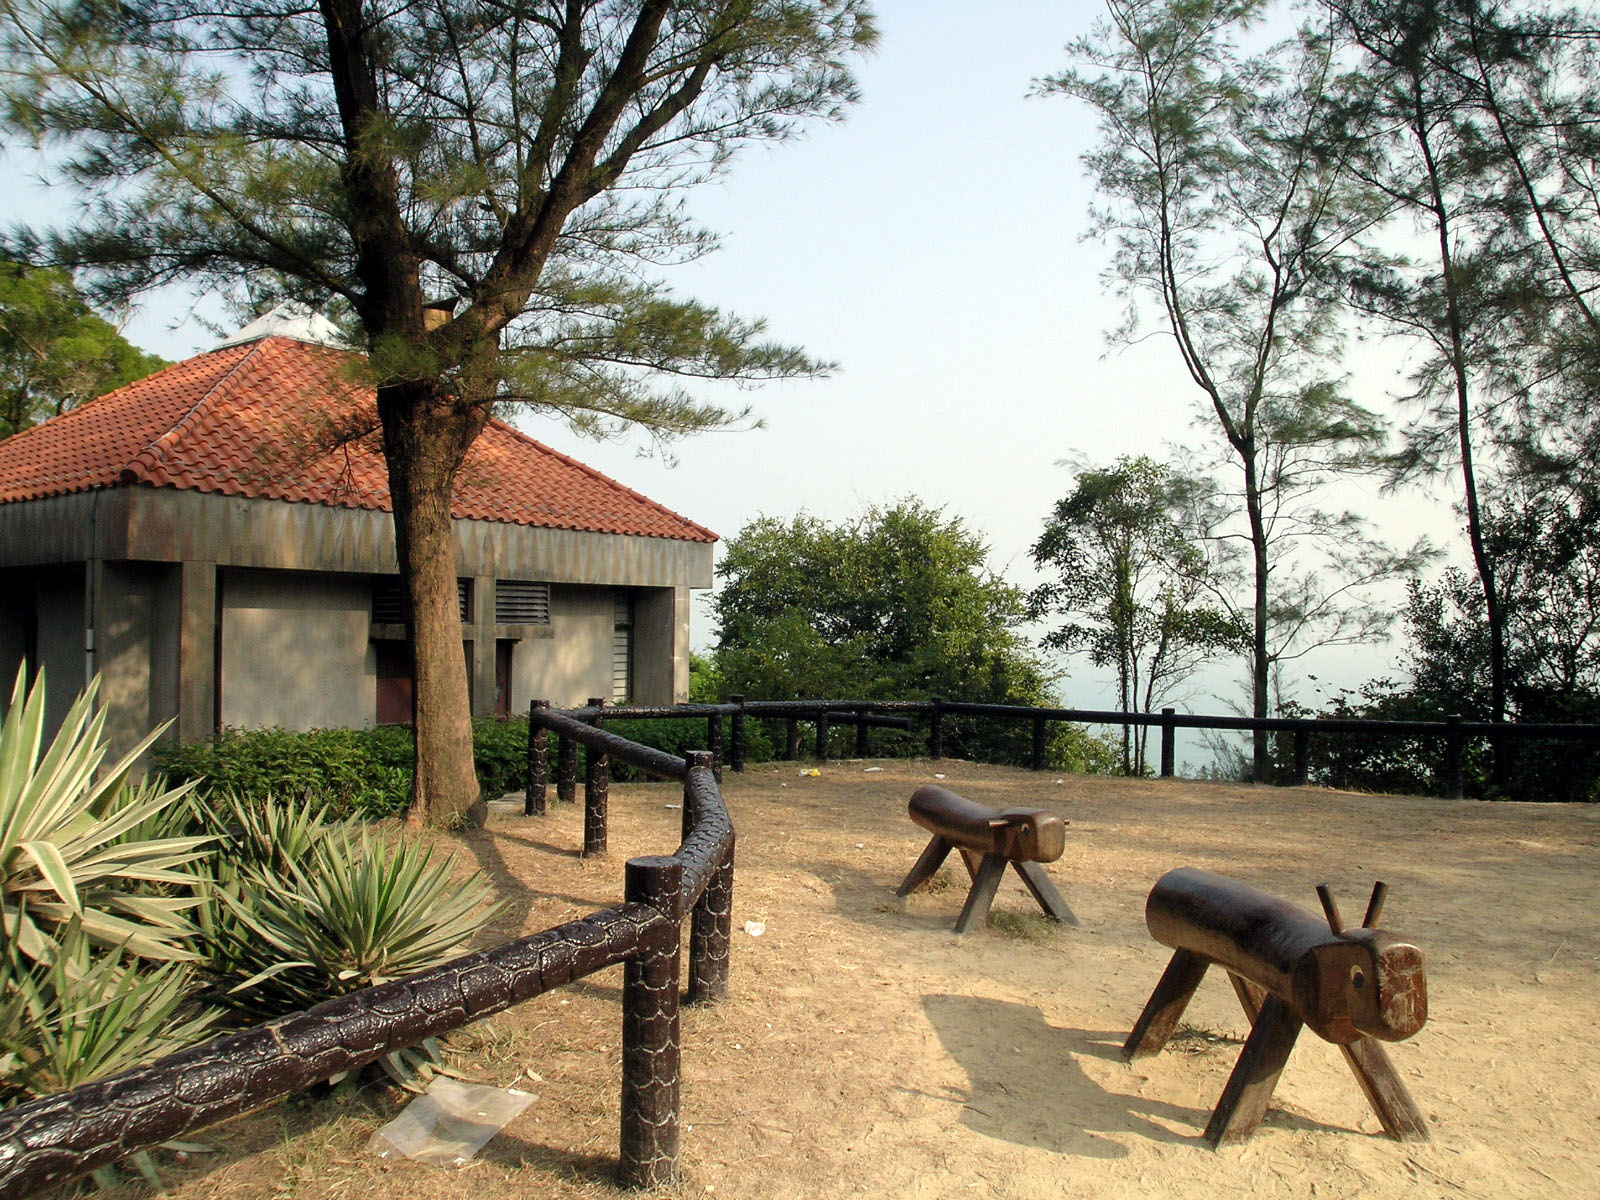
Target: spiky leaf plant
column 88, row 1014
column 303, row 910
column 68, row 850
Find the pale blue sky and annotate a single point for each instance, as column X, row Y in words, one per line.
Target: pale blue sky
column 932, row 245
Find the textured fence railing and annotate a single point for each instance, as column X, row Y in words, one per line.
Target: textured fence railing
column 61, row 1137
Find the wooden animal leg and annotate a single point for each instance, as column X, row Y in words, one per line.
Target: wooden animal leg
column 1381, row 1085
column 981, row 896
column 972, row 859
column 1251, row 997
column 1379, row 1081
column 931, row 859
column 1249, row 1088
column 1052, row 901
column 1166, row 1005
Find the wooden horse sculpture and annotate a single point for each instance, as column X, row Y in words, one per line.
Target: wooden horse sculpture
column 1290, row 968
column 989, row 840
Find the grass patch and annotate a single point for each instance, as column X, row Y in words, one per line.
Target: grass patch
column 1024, row 926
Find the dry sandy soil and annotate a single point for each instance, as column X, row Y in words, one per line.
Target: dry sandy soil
column 869, row 1051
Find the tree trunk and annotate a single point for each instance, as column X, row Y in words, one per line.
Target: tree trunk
column 425, row 438
column 1456, row 328
column 1259, row 661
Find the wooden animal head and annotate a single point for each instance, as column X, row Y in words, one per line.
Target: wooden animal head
column 1362, row 981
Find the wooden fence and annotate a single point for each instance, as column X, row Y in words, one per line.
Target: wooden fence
column 1455, row 733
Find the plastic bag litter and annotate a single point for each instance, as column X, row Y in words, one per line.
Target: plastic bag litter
column 449, row 1123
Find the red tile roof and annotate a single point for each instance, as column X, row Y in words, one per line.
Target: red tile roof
column 281, row 419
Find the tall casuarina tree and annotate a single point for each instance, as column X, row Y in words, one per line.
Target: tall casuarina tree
column 523, row 159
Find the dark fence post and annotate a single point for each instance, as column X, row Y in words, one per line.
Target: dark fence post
column 1169, row 747
column 711, row 923
column 715, row 740
column 566, row 770
column 822, row 736
column 596, row 791
column 736, row 752
column 863, row 744
column 1038, row 743
column 651, row 1062
column 791, row 739
column 936, row 729
column 1302, row 756
column 535, row 792
column 1455, row 760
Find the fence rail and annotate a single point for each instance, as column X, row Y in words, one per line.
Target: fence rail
column 1454, row 732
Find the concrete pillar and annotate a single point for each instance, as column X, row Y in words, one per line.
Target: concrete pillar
column 661, row 645
column 122, row 604
column 480, row 630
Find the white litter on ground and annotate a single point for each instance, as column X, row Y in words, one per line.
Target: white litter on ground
column 449, row 1123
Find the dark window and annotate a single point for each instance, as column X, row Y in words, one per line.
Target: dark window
column 389, row 605
column 502, row 677
column 521, row 602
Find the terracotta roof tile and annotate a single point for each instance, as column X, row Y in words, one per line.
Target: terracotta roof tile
column 281, row 419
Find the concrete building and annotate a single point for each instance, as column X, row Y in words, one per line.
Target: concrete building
column 215, row 541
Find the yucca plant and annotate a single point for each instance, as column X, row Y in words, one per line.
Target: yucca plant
column 68, row 850
column 303, row 910
column 87, row 1014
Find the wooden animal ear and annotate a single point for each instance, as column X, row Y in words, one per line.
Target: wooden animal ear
column 1329, row 908
column 1380, row 893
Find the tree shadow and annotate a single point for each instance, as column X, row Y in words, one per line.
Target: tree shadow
column 868, row 897
column 518, row 895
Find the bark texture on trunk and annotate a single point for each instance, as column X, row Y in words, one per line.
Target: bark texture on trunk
column 426, row 436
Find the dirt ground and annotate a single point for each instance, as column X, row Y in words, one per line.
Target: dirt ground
column 869, row 1051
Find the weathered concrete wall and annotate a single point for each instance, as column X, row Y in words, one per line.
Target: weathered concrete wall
column 169, row 525
column 43, row 611
column 574, row 662
column 60, row 615
column 128, row 602
column 295, row 598
column 295, row 650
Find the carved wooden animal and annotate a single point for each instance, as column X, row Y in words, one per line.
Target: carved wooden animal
column 1289, row 968
column 989, row 840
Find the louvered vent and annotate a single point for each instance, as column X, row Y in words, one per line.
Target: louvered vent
column 389, row 606
column 521, row 602
column 622, row 651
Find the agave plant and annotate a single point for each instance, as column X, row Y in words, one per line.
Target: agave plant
column 87, row 1015
column 354, row 911
column 303, row 909
column 70, row 850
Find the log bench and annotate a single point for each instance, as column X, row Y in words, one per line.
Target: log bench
column 1290, row 969
column 989, row 840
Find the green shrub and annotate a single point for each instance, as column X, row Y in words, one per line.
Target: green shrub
column 500, row 755
column 345, row 771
